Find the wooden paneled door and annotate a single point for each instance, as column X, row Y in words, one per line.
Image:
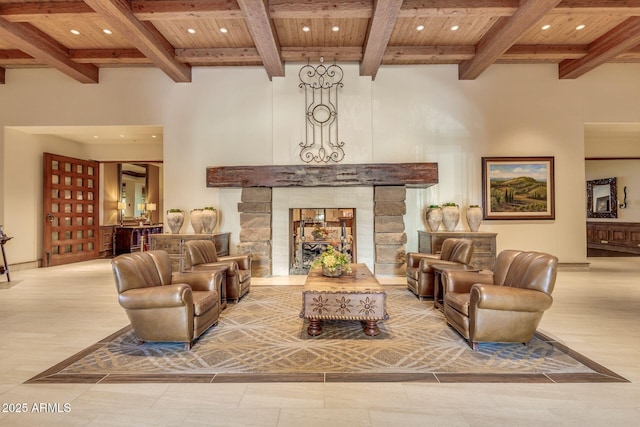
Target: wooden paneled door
column 70, row 202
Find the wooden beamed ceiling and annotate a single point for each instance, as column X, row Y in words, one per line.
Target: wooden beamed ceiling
column 175, row 36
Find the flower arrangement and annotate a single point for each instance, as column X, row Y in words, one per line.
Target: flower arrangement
column 332, row 260
column 319, row 233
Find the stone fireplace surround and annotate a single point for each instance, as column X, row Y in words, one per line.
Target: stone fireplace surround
column 377, row 192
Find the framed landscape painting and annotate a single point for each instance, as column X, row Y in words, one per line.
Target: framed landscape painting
column 518, row 188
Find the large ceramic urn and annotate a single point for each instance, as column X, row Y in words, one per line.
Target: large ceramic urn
column 474, row 217
column 450, row 216
column 175, row 219
column 195, row 216
column 209, row 219
column 434, row 217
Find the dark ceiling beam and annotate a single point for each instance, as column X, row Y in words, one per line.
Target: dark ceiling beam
column 443, row 54
column 144, row 36
column 218, row 55
column 304, row 54
column 146, row 10
column 32, row 41
column 264, row 35
column 619, row 40
column 318, row 9
column 504, row 34
column 385, row 15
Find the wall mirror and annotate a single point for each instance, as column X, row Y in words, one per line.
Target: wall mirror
column 133, row 187
column 602, row 198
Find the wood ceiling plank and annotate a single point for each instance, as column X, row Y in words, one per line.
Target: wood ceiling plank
column 33, row 42
column 326, row 9
column 314, row 53
column 385, row 15
column 26, row 12
column 147, row 10
column 503, row 35
column 145, row 37
column 456, row 8
column 218, row 55
column 264, row 35
column 451, row 54
column 617, row 41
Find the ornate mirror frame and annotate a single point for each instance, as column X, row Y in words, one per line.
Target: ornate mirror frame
column 602, row 198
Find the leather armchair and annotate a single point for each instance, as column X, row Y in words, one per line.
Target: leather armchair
column 202, row 255
column 504, row 306
column 165, row 306
column 420, row 279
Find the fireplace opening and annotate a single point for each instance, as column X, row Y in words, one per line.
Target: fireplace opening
column 312, row 229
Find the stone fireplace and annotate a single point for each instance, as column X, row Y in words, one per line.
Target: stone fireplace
column 377, row 192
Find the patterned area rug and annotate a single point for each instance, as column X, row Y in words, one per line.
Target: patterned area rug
column 263, row 339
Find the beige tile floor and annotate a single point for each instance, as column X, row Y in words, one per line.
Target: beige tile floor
column 49, row 314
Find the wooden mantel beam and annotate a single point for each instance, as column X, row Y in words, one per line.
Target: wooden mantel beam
column 418, row 175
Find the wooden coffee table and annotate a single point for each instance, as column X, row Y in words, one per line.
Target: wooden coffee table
column 352, row 296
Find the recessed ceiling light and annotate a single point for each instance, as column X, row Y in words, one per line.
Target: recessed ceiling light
column 76, row 32
column 335, row 28
column 455, row 28
column 306, row 29
column 580, row 27
column 420, row 27
column 191, row 31
column 107, row 31
column 153, row 136
column 96, row 136
column 545, row 27
column 121, row 136
column 223, row 30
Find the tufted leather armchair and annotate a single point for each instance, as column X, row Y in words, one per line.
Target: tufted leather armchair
column 420, row 279
column 202, row 256
column 165, row 306
column 504, row 306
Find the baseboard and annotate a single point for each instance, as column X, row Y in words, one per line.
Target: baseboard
column 574, row 266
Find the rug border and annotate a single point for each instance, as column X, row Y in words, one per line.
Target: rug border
column 601, row 374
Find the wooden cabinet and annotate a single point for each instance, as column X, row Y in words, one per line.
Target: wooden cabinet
column 174, row 245
column 484, row 245
column 614, row 236
column 106, row 240
column 131, row 238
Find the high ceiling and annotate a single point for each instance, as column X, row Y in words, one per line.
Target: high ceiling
column 178, row 35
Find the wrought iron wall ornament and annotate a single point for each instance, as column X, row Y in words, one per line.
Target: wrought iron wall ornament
column 321, row 86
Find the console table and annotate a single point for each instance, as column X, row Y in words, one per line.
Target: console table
column 132, row 238
column 484, row 245
column 4, row 268
column 174, row 245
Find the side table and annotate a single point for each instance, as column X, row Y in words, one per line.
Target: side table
column 438, row 288
column 4, row 268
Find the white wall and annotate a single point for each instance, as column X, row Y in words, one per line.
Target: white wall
column 236, row 116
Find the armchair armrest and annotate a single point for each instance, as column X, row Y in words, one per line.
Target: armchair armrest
column 507, row 298
column 413, row 258
column 201, row 281
column 243, row 261
column 156, row 297
column 231, row 267
column 426, row 263
column 461, row 281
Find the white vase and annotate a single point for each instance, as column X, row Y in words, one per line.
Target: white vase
column 209, row 219
column 195, row 216
column 434, row 218
column 175, row 221
column 450, row 217
column 474, row 217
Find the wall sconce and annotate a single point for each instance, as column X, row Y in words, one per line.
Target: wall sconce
column 150, row 207
column 121, row 207
column 623, row 205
